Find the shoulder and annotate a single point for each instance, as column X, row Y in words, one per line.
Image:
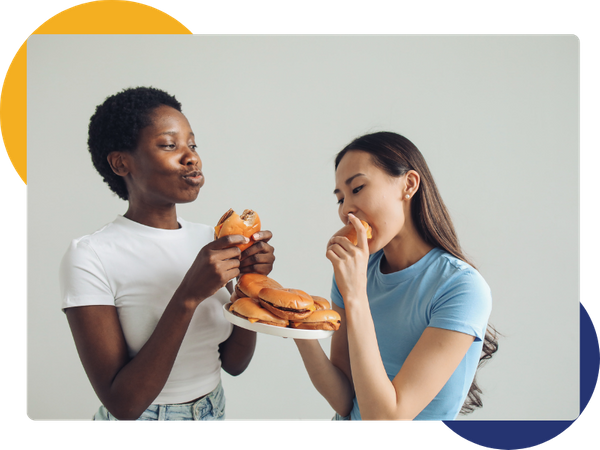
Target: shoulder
column 452, row 271
column 463, row 301
column 85, row 244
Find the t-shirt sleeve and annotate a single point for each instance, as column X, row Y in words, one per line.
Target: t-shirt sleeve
column 464, row 305
column 83, row 281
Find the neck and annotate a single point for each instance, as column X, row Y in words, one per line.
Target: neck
column 404, row 250
column 156, row 217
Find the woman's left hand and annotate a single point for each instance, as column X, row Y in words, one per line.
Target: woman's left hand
column 350, row 262
column 259, row 257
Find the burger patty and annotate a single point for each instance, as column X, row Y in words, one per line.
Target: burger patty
column 283, row 308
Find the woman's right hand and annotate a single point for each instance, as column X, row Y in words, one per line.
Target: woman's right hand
column 216, row 264
column 350, row 262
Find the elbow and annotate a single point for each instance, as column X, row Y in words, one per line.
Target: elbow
column 388, row 417
column 235, row 365
column 234, row 372
column 384, row 414
column 342, row 405
column 121, row 409
column 121, row 413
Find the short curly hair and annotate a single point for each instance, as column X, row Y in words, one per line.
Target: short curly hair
column 116, row 126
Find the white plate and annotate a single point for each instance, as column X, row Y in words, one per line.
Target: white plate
column 272, row 329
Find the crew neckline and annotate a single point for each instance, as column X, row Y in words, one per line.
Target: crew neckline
column 146, row 230
column 410, row 272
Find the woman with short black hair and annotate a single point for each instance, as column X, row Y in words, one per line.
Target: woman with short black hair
column 144, row 294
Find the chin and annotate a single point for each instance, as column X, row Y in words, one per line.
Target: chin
column 189, row 197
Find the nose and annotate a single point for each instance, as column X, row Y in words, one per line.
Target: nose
column 191, row 158
column 346, row 207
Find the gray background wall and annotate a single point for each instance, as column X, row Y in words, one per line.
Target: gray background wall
column 496, row 117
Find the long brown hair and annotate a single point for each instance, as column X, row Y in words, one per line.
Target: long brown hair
column 396, row 155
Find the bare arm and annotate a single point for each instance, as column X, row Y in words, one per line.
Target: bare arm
column 426, row 370
column 127, row 386
column 331, row 377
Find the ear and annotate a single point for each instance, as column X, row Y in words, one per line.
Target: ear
column 412, row 181
column 119, row 163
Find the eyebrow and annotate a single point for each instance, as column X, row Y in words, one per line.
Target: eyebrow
column 171, row 133
column 349, row 180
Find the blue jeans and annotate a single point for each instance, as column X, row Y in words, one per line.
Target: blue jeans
column 338, row 417
column 209, row 407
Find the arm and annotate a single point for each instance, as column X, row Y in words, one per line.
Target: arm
column 426, row 370
column 237, row 351
column 331, row 377
column 127, row 386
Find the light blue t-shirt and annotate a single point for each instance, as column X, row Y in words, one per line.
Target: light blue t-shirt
column 438, row 291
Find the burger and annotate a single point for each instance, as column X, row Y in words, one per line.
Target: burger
column 250, row 310
column 320, row 303
column 290, row 304
column 350, row 232
column 231, row 223
column 250, row 284
column 323, row 319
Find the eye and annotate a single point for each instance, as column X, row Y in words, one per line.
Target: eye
column 356, row 190
column 168, row 146
column 193, row 147
column 340, row 201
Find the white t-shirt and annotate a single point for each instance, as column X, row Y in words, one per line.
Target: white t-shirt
column 137, row 269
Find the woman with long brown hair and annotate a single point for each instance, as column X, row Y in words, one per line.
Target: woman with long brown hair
column 414, row 311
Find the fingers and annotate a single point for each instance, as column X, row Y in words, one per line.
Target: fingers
column 342, row 242
column 259, row 252
column 228, row 241
column 257, row 247
column 263, row 236
column 258, row 258
column 361, row 232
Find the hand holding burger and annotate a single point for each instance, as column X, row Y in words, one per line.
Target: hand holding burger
column 257, row 255
column 349, row 232
column 231, row 223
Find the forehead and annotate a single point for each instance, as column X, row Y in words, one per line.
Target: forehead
column 353, row 162
column 167, row 117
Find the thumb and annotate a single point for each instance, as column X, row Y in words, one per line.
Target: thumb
column 229, row 241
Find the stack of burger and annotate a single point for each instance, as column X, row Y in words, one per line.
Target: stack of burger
column 261, row 299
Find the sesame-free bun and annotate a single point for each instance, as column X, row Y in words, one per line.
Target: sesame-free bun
column 321, row 303
column 231, row 223
column 322, row 319
column 250, row 284
column 290, row 304
column 249, row 309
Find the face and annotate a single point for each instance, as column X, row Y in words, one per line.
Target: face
column 165, row 169
column 366, row 191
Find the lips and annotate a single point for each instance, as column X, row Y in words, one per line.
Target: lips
column 194, row 178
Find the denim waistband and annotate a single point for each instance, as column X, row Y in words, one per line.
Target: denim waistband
column 209, row 407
